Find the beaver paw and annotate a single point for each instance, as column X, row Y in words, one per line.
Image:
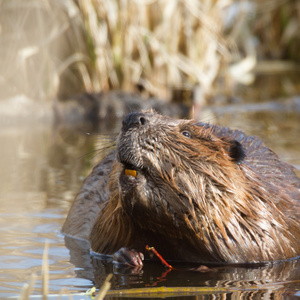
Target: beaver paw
column 129, row 257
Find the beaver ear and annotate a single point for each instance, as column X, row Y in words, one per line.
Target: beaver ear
column 236, row 151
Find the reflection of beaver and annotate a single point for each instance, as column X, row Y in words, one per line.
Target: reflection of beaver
column 196, row 192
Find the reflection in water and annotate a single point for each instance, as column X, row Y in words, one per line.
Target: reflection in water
column 269, row 279
column 41, row 169
column 40, row 172
column 272, row 280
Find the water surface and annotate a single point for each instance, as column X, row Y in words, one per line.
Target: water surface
column 41, row 170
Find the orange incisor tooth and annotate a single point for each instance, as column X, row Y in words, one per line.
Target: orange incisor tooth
column 130, row 172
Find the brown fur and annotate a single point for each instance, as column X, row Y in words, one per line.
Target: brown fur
column 192, row 200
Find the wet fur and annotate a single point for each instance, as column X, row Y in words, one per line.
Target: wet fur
column 217, row 196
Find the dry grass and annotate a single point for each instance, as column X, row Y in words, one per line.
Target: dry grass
column 165, row 45
column 160, row 44
column 40, row 43
column 282, row 39
column 64, row 47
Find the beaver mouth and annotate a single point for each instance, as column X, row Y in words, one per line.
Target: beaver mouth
column 130, row 159
column 132, row 170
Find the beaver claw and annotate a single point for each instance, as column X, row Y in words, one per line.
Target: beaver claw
column 129, row 257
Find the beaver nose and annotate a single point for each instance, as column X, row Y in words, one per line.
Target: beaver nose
column 135, row 120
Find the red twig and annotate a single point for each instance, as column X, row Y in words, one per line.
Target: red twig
column 152, row 249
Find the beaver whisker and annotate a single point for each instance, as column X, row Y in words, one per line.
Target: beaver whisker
column 150, row 145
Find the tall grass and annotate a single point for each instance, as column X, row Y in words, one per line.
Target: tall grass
column 56, row 47
column 165, row 45
column 282, row 39
column 27, row 289
column 158, row 44
column 42, row 46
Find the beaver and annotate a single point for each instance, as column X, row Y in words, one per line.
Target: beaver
column 196, row 192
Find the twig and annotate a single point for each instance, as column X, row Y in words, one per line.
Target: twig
column 152, row 249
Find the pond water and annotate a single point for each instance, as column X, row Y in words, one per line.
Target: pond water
column 41, row 170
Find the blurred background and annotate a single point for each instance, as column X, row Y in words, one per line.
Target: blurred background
column 71, row 69
column 196, row 52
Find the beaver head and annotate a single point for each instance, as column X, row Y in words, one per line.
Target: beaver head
column 197, row 193
column 177, row 166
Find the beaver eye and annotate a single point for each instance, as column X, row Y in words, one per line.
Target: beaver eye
column 186, row 133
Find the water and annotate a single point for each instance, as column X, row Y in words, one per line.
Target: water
column 38, row 182
column 42, row 168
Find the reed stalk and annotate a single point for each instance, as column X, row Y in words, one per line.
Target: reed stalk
column 60, row 48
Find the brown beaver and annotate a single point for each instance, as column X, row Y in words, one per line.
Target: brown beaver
column 196, row 192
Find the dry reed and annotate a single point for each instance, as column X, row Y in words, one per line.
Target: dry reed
column 160, row 44
column 40, row 43
column 27, row 289
column 165, row 45
column 64, row 47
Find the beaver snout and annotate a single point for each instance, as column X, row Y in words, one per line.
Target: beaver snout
column 134, row 120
